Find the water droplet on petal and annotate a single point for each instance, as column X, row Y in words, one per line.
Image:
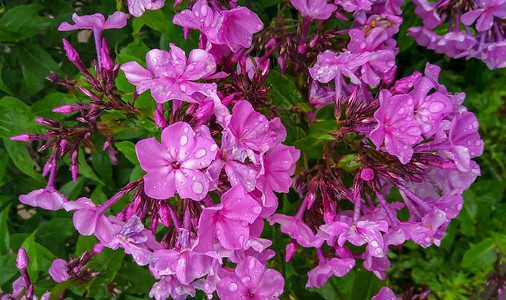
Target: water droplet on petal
column 232, row 287
column 200, row 153
column 401, row 111
column 185, row 129
column 251, row 264
column 198, row 188
column 378, row 252
column 183, row 88
column 475, row 124
column 436, row 107
column 183, row 140
column 213, row 147
column 374, row 244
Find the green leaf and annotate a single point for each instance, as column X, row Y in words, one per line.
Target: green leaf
column 321, row 130
column 36, row 64
column 480, row 255
column 310, row 146
column 40, row 257
column 44, row 107
column 107, row 264
column 21, row 158
column 53, row 234
column 349, row 162
column 135, row 51
column 72, row 189
column 128, row 149
column 86, row 170
column 5, row 238
column 22, row 22
column 9, row 270
column 283, row 91
column 4, row 87
column 4, row 160
column 365, row 285
column 157, row 20
column 16, row 118
column 490, row 191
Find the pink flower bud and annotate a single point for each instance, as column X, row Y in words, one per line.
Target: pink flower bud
column 367, row 174
column 22, row 260
column 160, row 120
column 66, row 109
column 290, row 249
column 25, row 137
column 72, row 54
column 106, row 61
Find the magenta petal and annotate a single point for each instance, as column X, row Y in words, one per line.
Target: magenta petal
column 250, row 267
column 152, row 155
column 179, row 140
column 231, row 234
column 200, row 64
column 160, row 184
column 58, row 270
column 85, row 221
column 191, row 184
column 231, row 288
column 206, row 229
column 117, row 20
column 138, row 76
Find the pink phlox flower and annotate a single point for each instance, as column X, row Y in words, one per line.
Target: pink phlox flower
column 355, row 5
column 177, row 163
column 465, row 141
column 425, row 10
column 169, row 287
column 96, row 22
column 424, row 37
column 58, row 270
column 314, row 9
column 200, row 17
column 170, row 75
column 184, row 264
column 251, row 280
column 377, row 265
column 244, row 174
column 255, row 247
column 297, row 229
column 381, row 61
column 429, row 109
column 321, row 95
column 405, row 84
column 385, row 293
column 279, row 166
column 328, row 267
column 136, row 240
column 228, row 221
column 89, row 219
column 369, row 232
column 46, row 198
column 249, row 131
column 233, row 28
column 138, row 7
column 397, row 128
column 331, row 231
column 237, row 28
column 330, row 65
column 485, row 13
column 455, row 44
column 495, row 55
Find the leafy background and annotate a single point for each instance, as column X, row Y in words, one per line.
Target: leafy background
column 472, row 253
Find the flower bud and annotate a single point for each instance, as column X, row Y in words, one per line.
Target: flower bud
column 22, row 260
column 72, row 54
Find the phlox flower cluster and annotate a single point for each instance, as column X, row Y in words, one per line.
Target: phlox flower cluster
column 214, row 173
column 472, row 29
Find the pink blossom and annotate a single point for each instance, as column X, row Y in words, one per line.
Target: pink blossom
column 170, row 75
column 385, row 294
column 58, row 270
column 89, row 219
column 237, row 28
column 485, row 12
column 177, row 163
column 47, row 198
column 168, row 287
column 137, row 7
column 185, row 265
column 228, row 221
column 465, row 140
column 397, row 129
column 297, row 229
column 279, row 165
column 326, row 268
column 251, row 280
column 314, row 9
column 96, row 22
